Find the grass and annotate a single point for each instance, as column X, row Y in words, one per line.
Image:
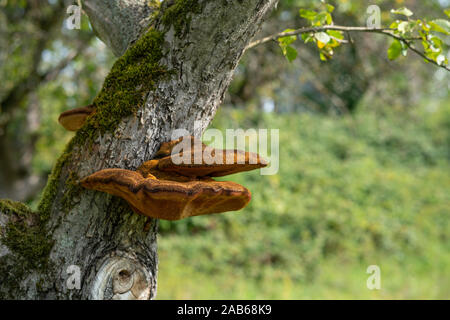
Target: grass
column 410, row 279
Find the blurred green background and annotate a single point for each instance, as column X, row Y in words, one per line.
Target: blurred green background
column 364, row 173
column 354, row 191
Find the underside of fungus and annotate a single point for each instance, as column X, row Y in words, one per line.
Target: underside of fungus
column 74, row 119
column 162, row 189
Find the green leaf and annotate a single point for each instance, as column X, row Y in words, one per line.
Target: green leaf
column 403, row 11
column 307, row 37
column 436, row 42
column 394, row 24
column 308, row 14
column 447, row 12
column 291, row 53
column 433, row 49
column 329, row 19
column 285, row 41
column 336, row 34
column 440, row 25
column 323, row 18
column 330, row 8
column 395, row 50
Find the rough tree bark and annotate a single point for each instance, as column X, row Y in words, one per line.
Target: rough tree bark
column 180, row 68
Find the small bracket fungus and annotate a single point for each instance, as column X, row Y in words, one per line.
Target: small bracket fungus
column 74, row 119
column 161, row 188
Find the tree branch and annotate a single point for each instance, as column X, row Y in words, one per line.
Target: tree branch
column 118, row 23
column 385, row 31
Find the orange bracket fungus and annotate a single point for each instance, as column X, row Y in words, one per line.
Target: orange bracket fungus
column 74, row 119
column 165, row 189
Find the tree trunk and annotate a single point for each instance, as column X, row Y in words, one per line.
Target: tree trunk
column 173, row 77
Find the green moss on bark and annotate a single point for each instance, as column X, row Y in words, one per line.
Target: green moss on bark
column 126, row 87
column 25, row 235
column 177, row 15
column 30, row 243
column 9, row 207
column 51, row 189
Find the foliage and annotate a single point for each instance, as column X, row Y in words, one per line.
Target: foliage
column 358, row 69
column 425, row 31
column 405, row 32
column 325, row 41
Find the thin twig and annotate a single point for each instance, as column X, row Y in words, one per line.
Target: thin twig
column 385, row 31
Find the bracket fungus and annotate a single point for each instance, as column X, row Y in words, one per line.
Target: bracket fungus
column 161, row 188
column 74, row 119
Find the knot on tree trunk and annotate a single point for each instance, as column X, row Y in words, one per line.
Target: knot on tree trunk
column 122, row 277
